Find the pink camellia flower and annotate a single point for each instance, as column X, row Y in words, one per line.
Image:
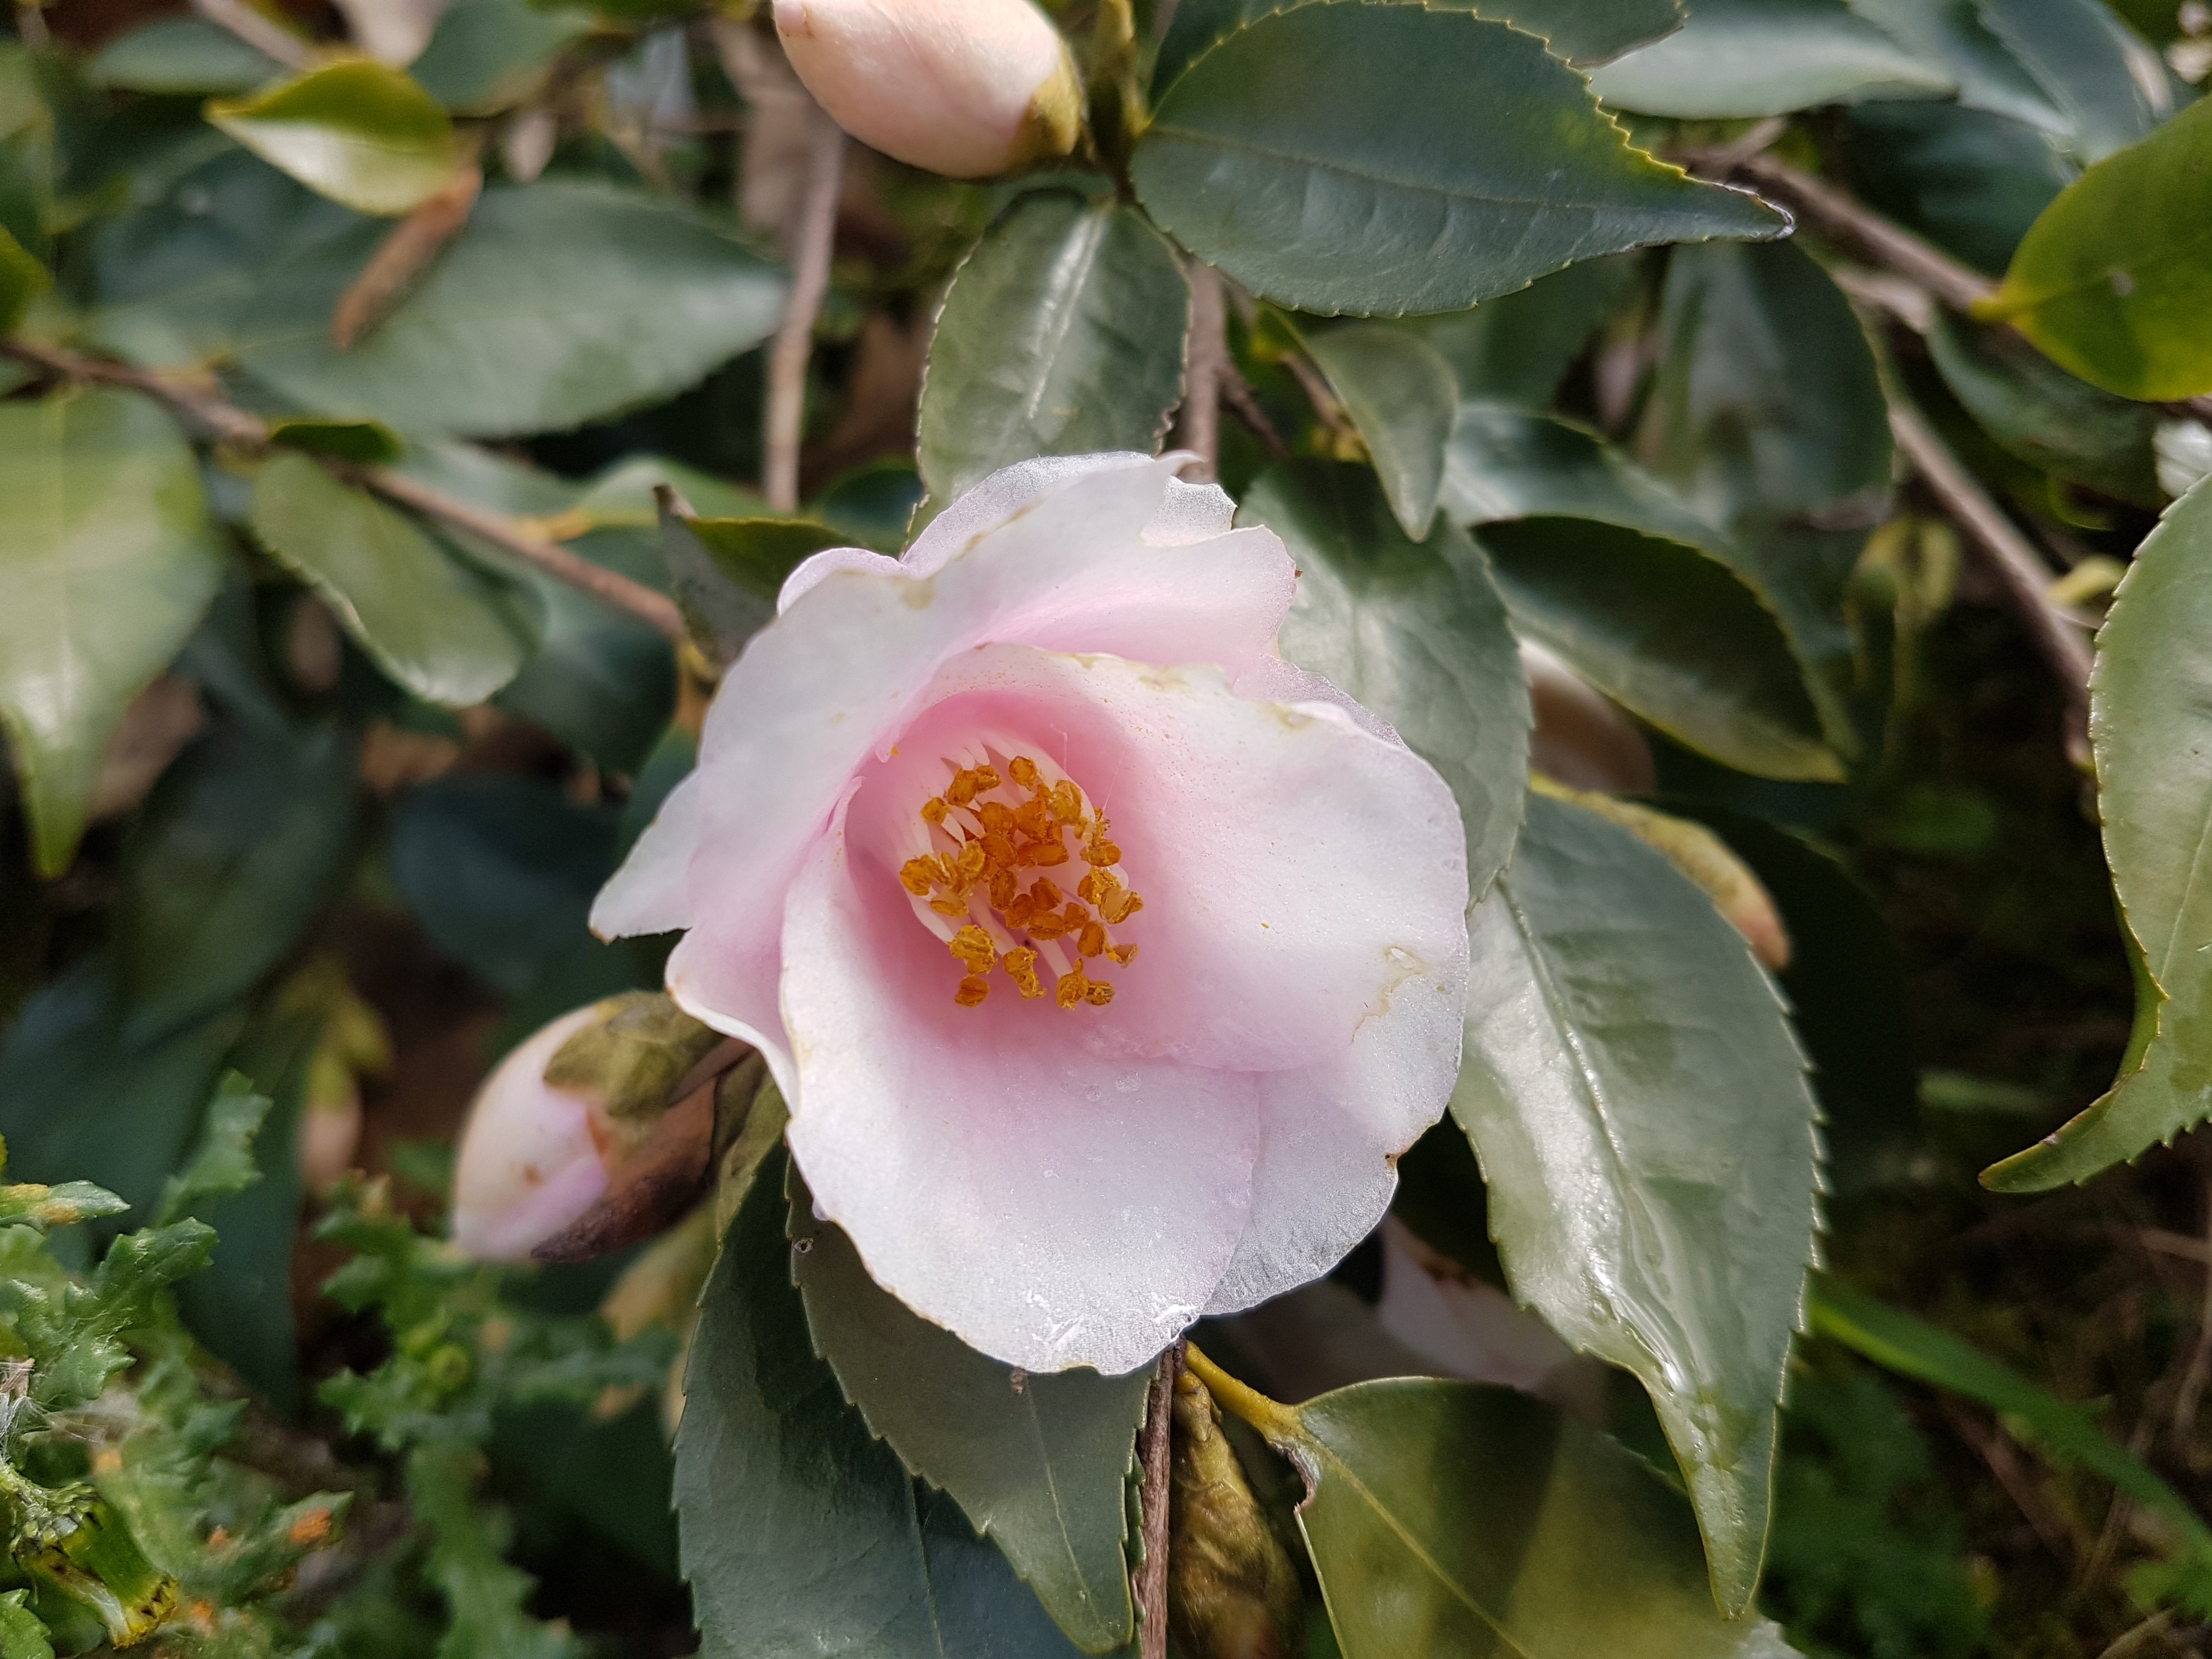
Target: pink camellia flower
column 1106, row 961
column 964, row 87
column 533, row 1158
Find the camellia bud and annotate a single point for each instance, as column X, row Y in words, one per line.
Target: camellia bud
column 1232, row 1592
column 964, row 87
column 560, row 1112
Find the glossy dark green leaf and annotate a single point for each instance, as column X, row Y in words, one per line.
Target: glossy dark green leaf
column 1951, row 32
column 443, row 631
column 1583, row 32
column 1768, row 414
column 727, row 572
column 1062, row 335
column 1038, row 1463
column 181, row 54
column 1400, row 396
column 2106, row 81
column 1413, row 631
column 501, row 870
column 2042, row 414
column 1670, row 633
column 1504, row 463
column 2113, row 282
column 358, row 131
column 1970, row 182
column 601, row 681
column 1911, row 1347
column 1461, row 1519
column 1516, row 349
column 1458, row 158
column 1647, row 1133
column 239, row 846
column 490, row 55
column 800, row 1532
column 1745, row 57
column 2150, row 713
column 107, row 562
column 562, row 302
column 364, row 443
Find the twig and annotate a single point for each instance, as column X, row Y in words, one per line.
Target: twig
column 270, row 39
column 2003, row 1463
column 1238, row 393
column 794, row 344
column 1204, row 363
column 1152, row 1578
column 195, row 398
column 2131, row 1639
column 609, row 588
column 401, row 256
column 1839, row 218
column 2022, row 572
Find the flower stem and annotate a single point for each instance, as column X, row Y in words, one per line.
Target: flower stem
column 1276, row 1421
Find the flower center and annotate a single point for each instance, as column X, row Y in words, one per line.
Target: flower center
column 978, row 878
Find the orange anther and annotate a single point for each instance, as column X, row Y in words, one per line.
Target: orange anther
column 1101, row 853
column 1044, row 925
column 1097, row 993
column 1023, row 770
column 1066, row 803
column 998, row 818
column 1092, row 940
column 1124, row 954
column 973, row 989
column 999, row 851
column 972, row 946
column 1073, row 916
column 987, row 778
column 1002, row 889
column 973, row 860
column 918, row 876
column 1044, row 894
column 962, row 789
column 1045, row 852
column 1021, row 967
column 957, row 906
column 1119, row 906
column 1071, row 988
column 932, row 810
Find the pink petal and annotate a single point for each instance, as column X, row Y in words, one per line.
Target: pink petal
column 529, row 1161
column 835, row 678
column 1050, row 1207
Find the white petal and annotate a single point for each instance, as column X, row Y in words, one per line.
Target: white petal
column 1049, row 1206
column 651, row 893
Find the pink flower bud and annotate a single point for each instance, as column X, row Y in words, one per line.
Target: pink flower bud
column 964, row 87
column 532, row 1157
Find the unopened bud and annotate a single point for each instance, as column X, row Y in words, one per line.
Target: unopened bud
column 1232, row 1592
column 964, row 87
column 560, row 1113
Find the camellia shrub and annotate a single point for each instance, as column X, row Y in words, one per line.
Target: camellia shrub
column 1142, row 733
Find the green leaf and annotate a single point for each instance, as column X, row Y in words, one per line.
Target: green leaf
column 486, row 56
column 2150, row 708
column 106, row 559
column 1583, row 32
column 21, row 1635
column 1768, row 414
column 237, row 849
column 1969, row 182
column 32, row 1204
column 488, row 1597
column 1647, row 1134
column 181, row 55
column 2110, row 85
column 2039, row 412
column 1746, row 57
column 727, row 572
column 363, row 443
column 223, row 1162
column 800, row 1532
column 601, row 681
column 435, row 626
column 1400, row 396
column 358, row 131
column 1062, row 335
column 1504, row 463
column 1898, row 1342
column 562, row 302
column 22, row 280
column 2113, row 282
column 1038, row 1463
column 1462, row 1518
column 1458, row 158
column 1670, row 632
column 1517, row 347
column 1413, row 631
column 1951, row 32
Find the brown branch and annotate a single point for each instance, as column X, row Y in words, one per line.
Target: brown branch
column 401, row 256
column 198, row 400
column 1205, row 364
column 271, row 39
column 2023, row 572
column 1152, row 1585
column 1236, row 392
column 811, row 243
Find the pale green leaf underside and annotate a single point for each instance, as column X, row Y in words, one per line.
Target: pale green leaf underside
column 1750, row 58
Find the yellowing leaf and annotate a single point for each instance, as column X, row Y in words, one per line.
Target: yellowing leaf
column 358, row 131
